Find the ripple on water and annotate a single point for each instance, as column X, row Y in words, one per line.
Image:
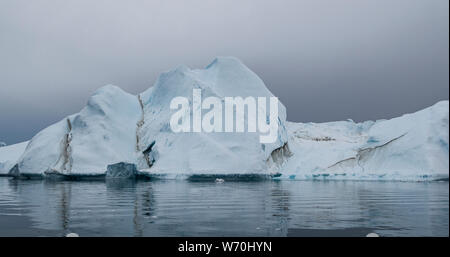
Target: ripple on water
column 264, row 208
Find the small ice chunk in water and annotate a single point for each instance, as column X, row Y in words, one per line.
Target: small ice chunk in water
column 219, row 180
column 72, row 235
column 372, row 235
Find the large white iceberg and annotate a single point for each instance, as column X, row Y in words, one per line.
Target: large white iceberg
column 117, row 129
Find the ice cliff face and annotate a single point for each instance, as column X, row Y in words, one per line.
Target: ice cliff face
column 117, row 129
column 411, row 147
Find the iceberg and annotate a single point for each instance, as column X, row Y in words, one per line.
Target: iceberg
column 117, row 127
column 120, row 135
column 206, row 153
column 9, row 155
column 413, row 147
column 102, row 133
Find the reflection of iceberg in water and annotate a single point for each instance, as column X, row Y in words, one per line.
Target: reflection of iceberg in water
column 139, row 204
column 65, row 205
column 281, row 204
column 46, row 204
column 267, row 208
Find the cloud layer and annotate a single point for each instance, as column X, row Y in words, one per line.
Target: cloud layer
column 325, row 60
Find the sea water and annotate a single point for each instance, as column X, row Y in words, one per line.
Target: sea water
column 228, row 208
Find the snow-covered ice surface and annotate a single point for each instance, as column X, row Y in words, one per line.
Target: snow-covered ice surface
column 102, row 133
column 413, row 147
column 117, row 127
column 9, row 156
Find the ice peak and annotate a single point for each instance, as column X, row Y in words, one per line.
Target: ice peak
column 441, row 104
column 180, row 69
column 108, row 90
column 224, row 61
column 106, row 98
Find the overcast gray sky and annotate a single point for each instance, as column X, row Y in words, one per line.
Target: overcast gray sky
column 326, row 60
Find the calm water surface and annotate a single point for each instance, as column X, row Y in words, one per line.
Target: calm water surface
column 182, row 208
